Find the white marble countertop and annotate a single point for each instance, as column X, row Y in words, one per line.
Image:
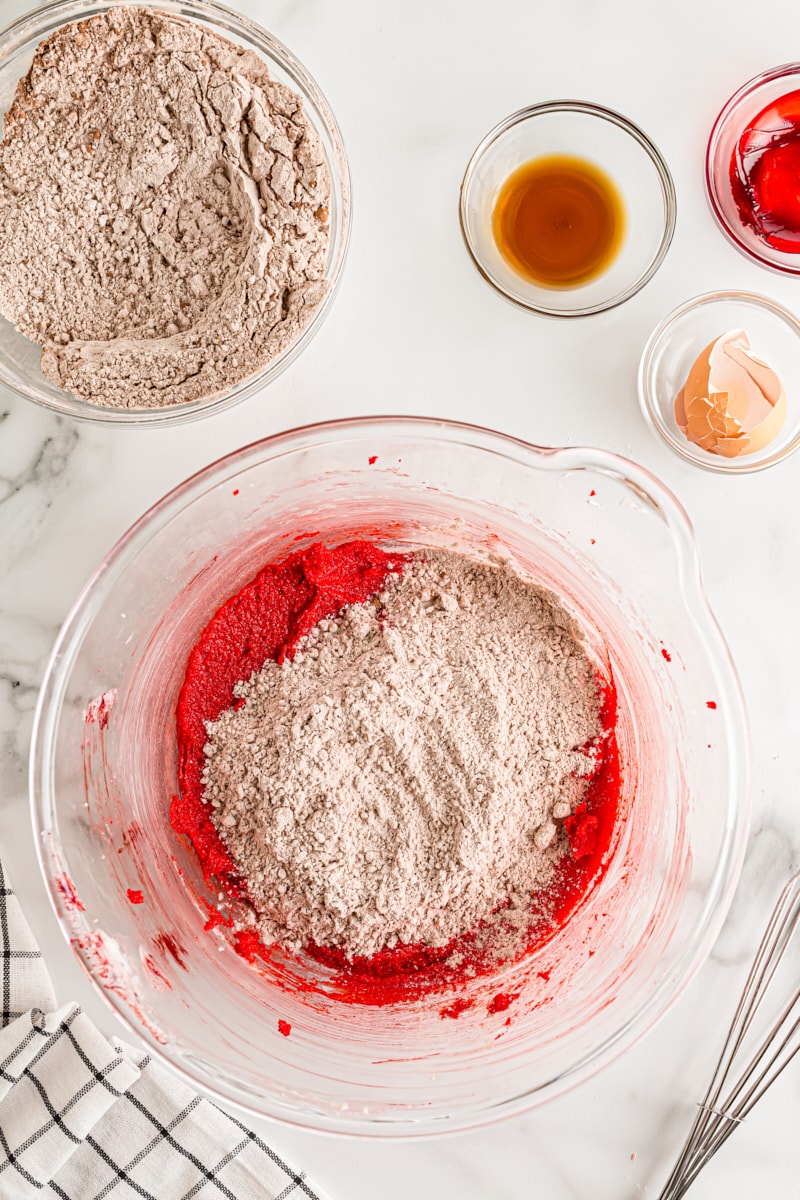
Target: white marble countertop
column 415, row 330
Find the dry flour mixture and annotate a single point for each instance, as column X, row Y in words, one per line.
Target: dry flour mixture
column 411, row 768
column 164, row 211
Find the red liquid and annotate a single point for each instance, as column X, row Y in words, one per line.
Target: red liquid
column 765, row 174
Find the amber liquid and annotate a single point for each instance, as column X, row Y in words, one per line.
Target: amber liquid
column 559, row 221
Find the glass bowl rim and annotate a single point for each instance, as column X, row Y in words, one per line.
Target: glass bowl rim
column 725, row 466
column 649, row 491
column 724, row 115
column 610, row 115
column 225, row 20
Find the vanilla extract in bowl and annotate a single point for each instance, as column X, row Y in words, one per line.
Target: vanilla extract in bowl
column 559, row 221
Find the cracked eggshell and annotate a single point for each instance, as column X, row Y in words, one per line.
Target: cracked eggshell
column 732, row 403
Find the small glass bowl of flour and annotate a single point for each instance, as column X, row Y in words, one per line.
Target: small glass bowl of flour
column 174, row 209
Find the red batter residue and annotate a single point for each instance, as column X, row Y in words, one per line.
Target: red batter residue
column 98, row 710
column 169, row 945
column 454, row 1010
column 284, row 1028
column 69, row 894
column 215, row 917
column 161, row 981
column 266, row 620
column 501, row 1002
column 135, row 896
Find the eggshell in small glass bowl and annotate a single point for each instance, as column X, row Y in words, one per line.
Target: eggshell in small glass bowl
column 675, row 344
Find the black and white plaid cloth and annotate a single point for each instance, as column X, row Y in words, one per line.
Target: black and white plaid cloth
column 82, row 1118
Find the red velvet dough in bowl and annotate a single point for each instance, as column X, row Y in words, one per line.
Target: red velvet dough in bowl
column 402, row 1045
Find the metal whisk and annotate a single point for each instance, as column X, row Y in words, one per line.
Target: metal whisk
column 749, row 1062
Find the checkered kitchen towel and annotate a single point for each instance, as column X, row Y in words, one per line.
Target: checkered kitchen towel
column 82, row 1118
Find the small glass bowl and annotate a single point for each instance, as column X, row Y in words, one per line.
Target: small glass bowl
column 740, row 110
column 597, row 135
column 675, row 344
column 19, row 357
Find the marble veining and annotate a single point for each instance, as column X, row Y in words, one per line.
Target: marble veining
column 34, row 457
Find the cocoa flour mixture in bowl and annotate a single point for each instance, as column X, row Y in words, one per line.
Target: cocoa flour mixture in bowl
column 391, row 775
column 173, row 209
column 421, row 770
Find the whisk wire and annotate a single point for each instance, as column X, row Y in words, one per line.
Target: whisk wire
column 727, row 1121
column 718, row 1117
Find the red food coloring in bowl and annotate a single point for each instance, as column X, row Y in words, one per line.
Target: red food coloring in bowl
column 765, row 174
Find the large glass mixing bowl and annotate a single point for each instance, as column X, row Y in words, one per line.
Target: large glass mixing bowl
column 617, row 547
